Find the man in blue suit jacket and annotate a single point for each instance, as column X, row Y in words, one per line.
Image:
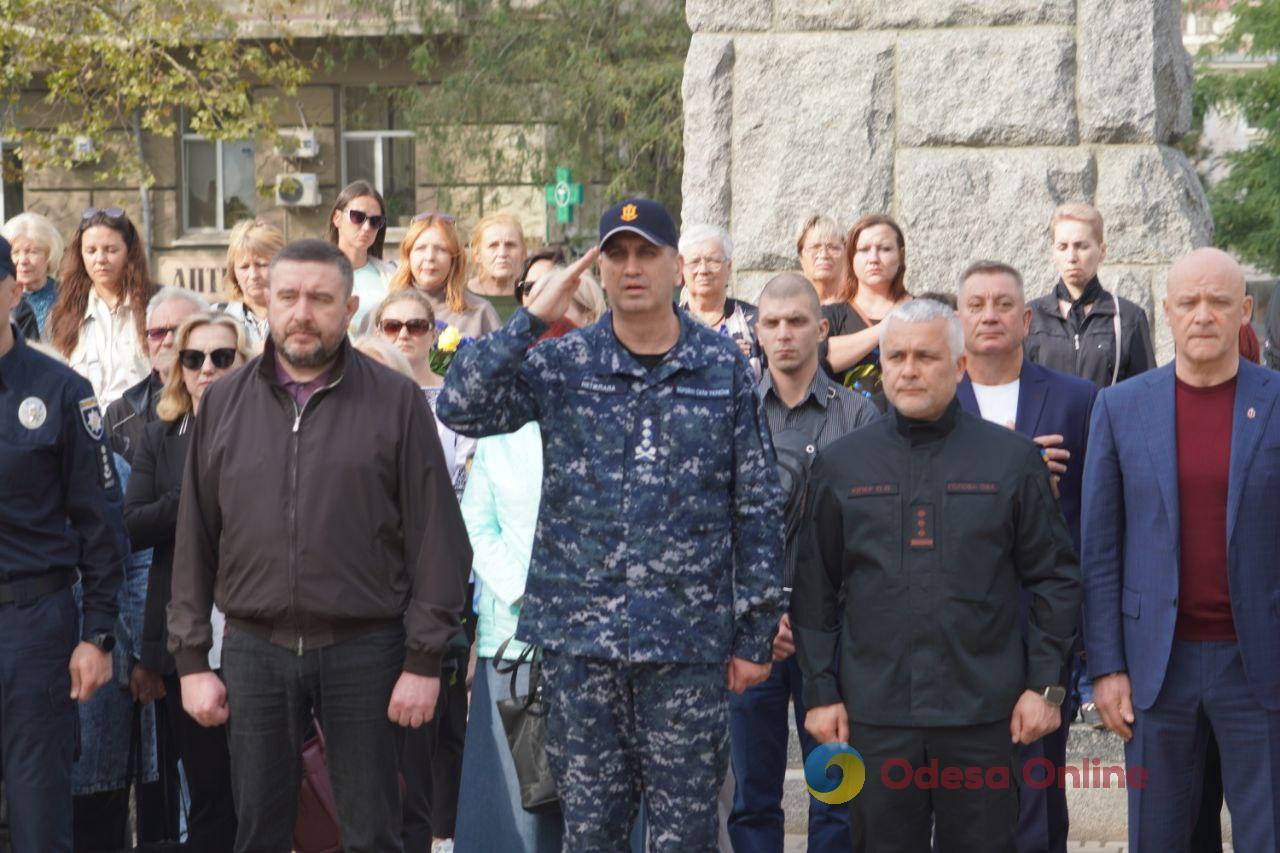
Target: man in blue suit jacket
column 1180, row 541
column 1053, row 409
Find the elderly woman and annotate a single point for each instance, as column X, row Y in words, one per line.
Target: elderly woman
column 432, row 262
column 708, row 263
column 358, row 226
column 820, row 245
column 497, row 255
column 98, row 322
column 36, row 247
column 252, row 245
column 1080, row 328
column 209, row 346
column 874, row 274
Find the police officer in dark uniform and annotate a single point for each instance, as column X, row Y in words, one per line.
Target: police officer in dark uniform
column 59, row 510
column 926, row 524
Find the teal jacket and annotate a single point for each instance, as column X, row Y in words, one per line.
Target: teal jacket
column 500, row 507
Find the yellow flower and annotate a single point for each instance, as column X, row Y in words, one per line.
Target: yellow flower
column 449, row 339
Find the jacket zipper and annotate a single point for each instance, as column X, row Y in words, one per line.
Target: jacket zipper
column 293, row 505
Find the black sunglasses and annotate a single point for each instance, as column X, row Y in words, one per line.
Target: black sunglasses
column 108, row 212
column 359, row 217
column 193, row 359
column 417, row 327
column 523, row 289
column 443, row 217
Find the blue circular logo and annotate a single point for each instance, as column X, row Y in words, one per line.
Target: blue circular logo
column 853, row 773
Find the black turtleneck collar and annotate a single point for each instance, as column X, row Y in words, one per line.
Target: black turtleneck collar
column 1088, row 296
column 925, row 432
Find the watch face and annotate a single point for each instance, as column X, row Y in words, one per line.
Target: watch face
column 1055, row 694
column 106, row 642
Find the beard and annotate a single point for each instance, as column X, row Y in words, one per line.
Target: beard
column 309, row 357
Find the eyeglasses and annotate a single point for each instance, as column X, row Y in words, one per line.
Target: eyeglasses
column 833, row 249
column 417, row 328
column 194, row 359
column 711, row 264
column 156, row 334
column 108, row 212
column 422, row 217
column 359, row 218
column 523, row 289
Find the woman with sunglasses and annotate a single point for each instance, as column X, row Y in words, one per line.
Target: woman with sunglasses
column 497, row 255
column 432, row 262
column 252, row 245
column 358, row 226
column 98, row 321
column 209, row 347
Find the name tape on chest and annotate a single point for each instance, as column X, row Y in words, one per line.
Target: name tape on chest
column 873, row 490
column 703, row 393
column 973, row 488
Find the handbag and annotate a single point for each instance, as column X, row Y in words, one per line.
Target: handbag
column 316, row 829
column 524, row 719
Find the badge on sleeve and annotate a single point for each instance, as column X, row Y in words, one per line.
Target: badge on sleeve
column 32, row 413
column 91, row 417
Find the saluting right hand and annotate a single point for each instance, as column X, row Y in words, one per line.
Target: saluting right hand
column 204, row 697
column 551, row 301
column 828, row 723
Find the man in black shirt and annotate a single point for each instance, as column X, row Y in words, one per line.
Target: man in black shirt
column 927, row 523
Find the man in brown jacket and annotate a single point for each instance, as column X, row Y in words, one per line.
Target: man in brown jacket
column 317, row 513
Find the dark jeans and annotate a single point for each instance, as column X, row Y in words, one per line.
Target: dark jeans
column 272, row 693
column 432, row 763
column 758, row 739
column 892, row 812
column 38, row 722
column 206, row 761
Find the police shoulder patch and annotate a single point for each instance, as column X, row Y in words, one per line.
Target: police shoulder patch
column 91, row 417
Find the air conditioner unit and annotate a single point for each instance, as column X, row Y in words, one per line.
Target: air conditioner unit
column 298, row 189
column 297, row 143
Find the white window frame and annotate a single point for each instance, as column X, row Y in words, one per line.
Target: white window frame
column 5, row 145
column 220, row 226
column 377, row 136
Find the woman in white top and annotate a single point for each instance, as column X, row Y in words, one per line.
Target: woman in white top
column 98, row 321
column 358, row 226
column 244, row 280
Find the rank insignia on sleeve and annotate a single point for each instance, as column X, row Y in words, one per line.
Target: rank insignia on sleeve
column 91, row 417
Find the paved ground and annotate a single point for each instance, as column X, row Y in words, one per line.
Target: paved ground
column 1098, row 815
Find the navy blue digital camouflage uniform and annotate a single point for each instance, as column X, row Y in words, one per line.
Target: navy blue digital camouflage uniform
column 657, row 556
column 60, row 509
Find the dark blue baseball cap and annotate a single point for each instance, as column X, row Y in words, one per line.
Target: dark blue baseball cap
column 6, row 260
column 642, row 216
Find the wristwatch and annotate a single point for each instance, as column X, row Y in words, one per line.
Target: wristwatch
column 104, row 642
column 1054, row 694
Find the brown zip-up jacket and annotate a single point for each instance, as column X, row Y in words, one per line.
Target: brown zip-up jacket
column 312, row 526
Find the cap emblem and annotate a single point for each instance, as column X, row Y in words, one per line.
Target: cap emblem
column 630, row 213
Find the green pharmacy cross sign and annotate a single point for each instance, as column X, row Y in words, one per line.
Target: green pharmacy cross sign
column 564, row 195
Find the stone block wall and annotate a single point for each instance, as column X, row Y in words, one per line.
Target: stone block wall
column 966, row 120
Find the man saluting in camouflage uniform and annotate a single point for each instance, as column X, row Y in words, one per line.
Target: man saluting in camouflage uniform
column 655, row 574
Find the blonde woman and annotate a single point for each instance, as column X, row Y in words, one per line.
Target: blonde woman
column 497, row 256
column 432, row 262
column 820, row 246
column 37, row 249
column 209, row 347
column 244, row 280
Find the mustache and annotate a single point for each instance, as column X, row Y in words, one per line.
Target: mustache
column 302, row 326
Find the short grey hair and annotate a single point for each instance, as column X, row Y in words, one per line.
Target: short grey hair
column 168, row 293
column 39, row 230
column 927, row 311
column 696, row 234
column 989, row 267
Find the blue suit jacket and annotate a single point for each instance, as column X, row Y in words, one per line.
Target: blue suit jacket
column 1131, row 531
column 1051, row 403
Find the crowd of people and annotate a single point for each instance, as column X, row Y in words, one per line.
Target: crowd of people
column 371, row 500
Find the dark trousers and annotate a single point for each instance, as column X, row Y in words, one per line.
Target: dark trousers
column 617, row 731
column 909, row 790
column 38, row 723
column 1042, row 809
column 272, row 693
column 1205, row 690
column 100, row 821
column 160, row 802
column 758, row 740
column 432, row 764
column 206, row 761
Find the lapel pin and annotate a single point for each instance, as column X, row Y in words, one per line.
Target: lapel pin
column 1252, row 413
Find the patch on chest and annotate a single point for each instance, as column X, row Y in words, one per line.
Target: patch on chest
column 920, row 537
column 962, row 488
column 873, row 489
column 32, row 413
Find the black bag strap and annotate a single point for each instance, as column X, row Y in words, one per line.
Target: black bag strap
column 531, row 655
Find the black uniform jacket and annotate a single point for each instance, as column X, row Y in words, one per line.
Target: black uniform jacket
column 923, row 532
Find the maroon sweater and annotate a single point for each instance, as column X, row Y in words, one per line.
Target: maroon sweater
column 1204, row 463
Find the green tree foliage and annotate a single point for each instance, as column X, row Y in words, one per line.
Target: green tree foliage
column 521, row 86
column 114, row 70
column 1246, row 202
